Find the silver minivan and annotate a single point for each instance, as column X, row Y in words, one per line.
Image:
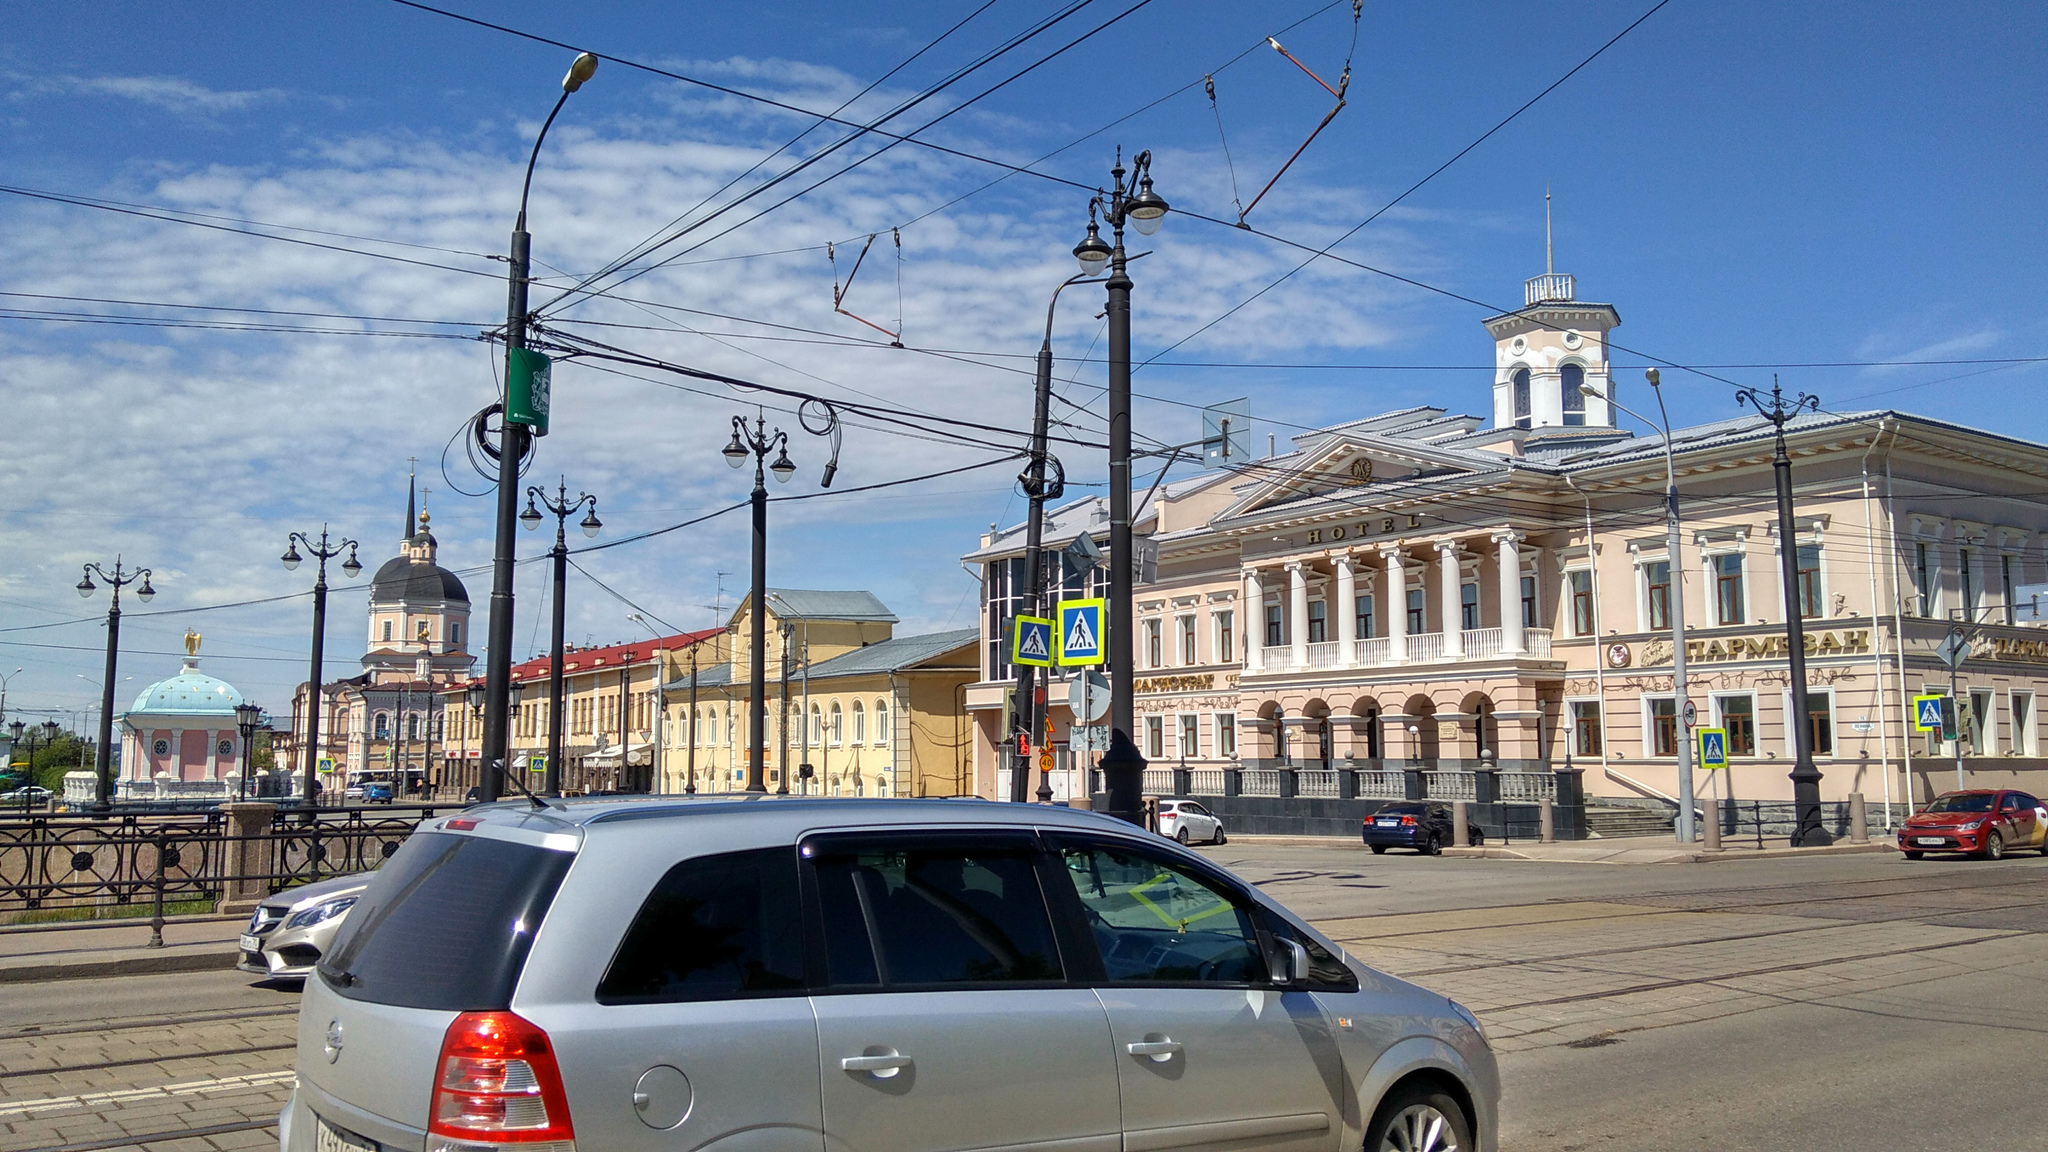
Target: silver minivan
column 860, row 976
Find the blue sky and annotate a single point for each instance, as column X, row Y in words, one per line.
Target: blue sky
column 1748, row 183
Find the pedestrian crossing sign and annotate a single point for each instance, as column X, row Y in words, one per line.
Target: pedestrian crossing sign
column 1031, row 642
column 536, row 766
column 1713, row 747
column 1927, row 713
column 1080, row 632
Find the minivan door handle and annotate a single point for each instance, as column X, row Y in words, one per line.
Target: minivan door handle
column 879, row 1065
column 1158, row 1051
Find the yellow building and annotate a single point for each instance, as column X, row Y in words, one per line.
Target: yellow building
column 873, row 714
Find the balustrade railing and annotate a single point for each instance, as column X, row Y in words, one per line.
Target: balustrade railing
column 1421, row 647
column 1325, row 655
column 1450, row 785
column 1425, row 646
column 1527, row 787
column 1316, row 782
column 1277, row 657
column 1158, row 782
column 1371, row 653
column 1382, row 784
column 1259, row 782
column 1205, row 781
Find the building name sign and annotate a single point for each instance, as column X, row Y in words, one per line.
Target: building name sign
column 1833, row 642
column 1387, row 524
column 2012, row 648
column 1197, row 682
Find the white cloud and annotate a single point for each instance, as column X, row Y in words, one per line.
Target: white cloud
column 173, row 94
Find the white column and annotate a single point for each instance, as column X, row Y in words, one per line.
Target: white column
column 1346, row 608
column 1252, row 629
column 1447, row 562
column 1510, row 561
column 1396, row 610
column 1297, row 613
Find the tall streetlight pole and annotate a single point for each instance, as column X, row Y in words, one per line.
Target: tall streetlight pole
column 103, row 793
column 323, row 552
column 757, row 444
column 563, row 508
column 247, row 718
column 1807, row 832
column 1026, row 711
column 1674, row 599
column 1123, row 768
column 512, row 446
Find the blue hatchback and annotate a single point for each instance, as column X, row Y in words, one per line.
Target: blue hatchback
column 1424, row 827
column 377, row 791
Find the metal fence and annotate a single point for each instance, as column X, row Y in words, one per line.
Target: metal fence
column 87, row 862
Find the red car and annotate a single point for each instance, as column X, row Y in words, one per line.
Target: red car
column 1981, row 821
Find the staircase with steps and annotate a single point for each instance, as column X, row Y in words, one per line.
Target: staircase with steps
column 1615, row 822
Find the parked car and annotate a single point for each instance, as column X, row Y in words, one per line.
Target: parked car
column 1420, row 825
column 352, row 792
column 291, row 930
column 26, row 796
column 376, row 792
column 1186, row 820
column 912, row 976
column 1982, row 821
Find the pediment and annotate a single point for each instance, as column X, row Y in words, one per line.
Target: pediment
column 1350, row 464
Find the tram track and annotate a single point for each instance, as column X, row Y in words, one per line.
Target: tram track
column 120, row 1024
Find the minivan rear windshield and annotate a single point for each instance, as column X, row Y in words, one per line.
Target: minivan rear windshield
column 446, row 924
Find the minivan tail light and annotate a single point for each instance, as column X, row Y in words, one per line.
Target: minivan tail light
column 497, row 1084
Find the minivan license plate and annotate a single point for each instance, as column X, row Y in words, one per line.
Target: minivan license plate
column 328, row 1138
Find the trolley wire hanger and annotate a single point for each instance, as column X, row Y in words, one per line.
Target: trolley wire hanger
column 1337, row 93
column 841, row 292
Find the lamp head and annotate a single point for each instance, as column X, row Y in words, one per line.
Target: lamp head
column 529, row 519
column 1092, row 252
column 1148, row 209
column 1652, row 375
column 783, row 467
column 591, row 523
column 352, row 567
column 86, row 586
column 1589, row 390
column 735, row 453
column 145, row 593
column 291, row 556
column 16, row 728
column 583, row 69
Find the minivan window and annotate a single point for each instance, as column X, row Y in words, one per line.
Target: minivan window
column 446, row 924
column 1157, row 922
column 910, row 914
column 714, row 928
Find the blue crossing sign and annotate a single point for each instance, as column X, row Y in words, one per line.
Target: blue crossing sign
column 1080, row 634
column 1927, row 713
column 1713, row 747
column 1031, row 642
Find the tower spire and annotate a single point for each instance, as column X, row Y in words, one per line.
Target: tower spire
column 412, row 511
column 1549, row 263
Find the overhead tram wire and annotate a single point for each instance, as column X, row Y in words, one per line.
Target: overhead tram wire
column 901, row 108
column 884, row 149
column 634, row 252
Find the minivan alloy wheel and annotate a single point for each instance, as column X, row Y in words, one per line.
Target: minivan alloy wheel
column 1420, row 1128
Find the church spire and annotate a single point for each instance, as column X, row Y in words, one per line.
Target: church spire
column 412, row 511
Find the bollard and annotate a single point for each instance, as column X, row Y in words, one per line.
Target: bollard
column 1713, row 824
column 1546, row 820
column 1859, row 820
column 1461, row 824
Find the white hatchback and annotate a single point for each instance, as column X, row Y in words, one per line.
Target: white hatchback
column 1190, row 823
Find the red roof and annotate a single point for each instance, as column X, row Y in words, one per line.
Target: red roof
column 579, row 661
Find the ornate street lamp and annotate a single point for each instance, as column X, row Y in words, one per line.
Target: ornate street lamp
column 351, row 567
column 757, row 444
column 103, row 791
column 248, row 717
column 562, row 507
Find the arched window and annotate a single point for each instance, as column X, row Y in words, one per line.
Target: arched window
column 882, row 722
column 1521, row 391
column 383, row 726
column 412, row 727
column 839, row 722
column 387, row 630
column 455, row 634
column 1573, row 378
column 860, row 723
column 817, row 726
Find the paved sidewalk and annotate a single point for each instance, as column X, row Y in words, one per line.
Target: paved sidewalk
column 1608, row 850
column 101, row 949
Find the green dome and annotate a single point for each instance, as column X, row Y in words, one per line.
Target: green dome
column 189, row 693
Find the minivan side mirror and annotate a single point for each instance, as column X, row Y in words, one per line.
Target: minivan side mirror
column 1290, row 964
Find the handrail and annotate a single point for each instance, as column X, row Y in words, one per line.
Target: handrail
column 1642, row 787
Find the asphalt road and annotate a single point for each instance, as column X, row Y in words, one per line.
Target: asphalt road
column 1846, row 1002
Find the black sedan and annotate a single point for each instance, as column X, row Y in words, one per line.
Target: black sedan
column 1422, row 826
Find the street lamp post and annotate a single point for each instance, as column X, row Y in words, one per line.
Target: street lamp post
column 1674, row 599
column 323, row 552
column 757, row 444
column 512, row 444
column 1123, row 768
column 563, row 508
column 247, row 718
column 1807, row 831
column 1028, row 719
column 103, row 793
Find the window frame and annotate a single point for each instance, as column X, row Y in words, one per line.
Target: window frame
column 1224, row 725
column 1811, row 589
column 1190, row 654
column 1656, row 595
column 1189, row 724
column 1720, row 702
column 1469, row 618
column 1532, row 606
column 1318, row 621
column 1418, row 612
column 1654, row 725
column 1363, row 608
column 1813, row 695
column 1584, row 609
column 1584, row 710
column 1226, row 635
column 1155, row 645
column 1723, row 581
column 2024, row 740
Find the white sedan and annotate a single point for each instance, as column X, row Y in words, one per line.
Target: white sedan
column 1187, row 821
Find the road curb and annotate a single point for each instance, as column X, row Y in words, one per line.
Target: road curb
column 123, row 966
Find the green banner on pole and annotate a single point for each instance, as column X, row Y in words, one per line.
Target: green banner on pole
column 529, row 387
